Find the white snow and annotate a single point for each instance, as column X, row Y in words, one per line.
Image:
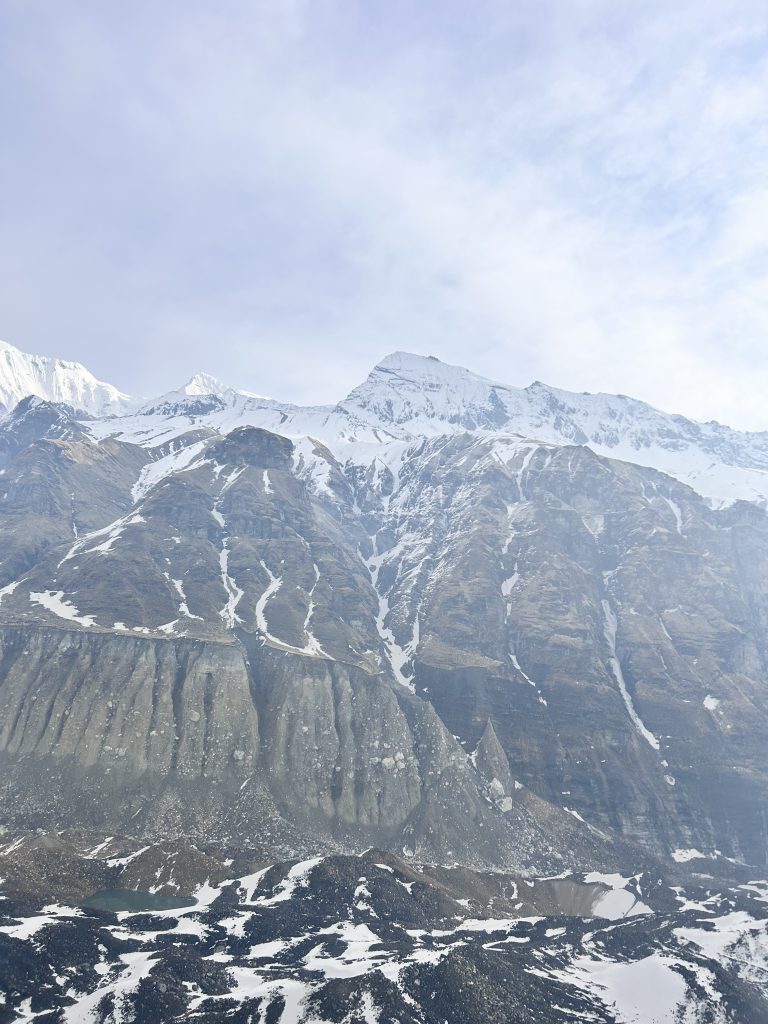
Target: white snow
column 369, row 1013
column 414, row 396
column 106, row 537
column 120, row 862
column 647, row 991
column 399, row 657
column 313, row 647
column 184, row 611
column 526, row 677
column 8, row 589
column 509, row 584
column 31, row 925
column 234, row 593
column 737, row 938
column 683, row 856
column 231, row 477
column 268, row 950
column 135, row 967
column 275, row 582
column 595, row 524
column 523, row 467
column 612, row 879
column 355, row 959
column 297, row 877
column 55, row 602
column 250, row 883
column 617, row 904
column 677, row 514
column 181, row 457
column 618, row 901
column 711, row 703
column 55, row 380
column 311, row 464
column 574, row 814
column 609, row 626
column 204, row 384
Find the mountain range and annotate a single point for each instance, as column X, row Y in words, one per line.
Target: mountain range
column 505, row 630
column 407, row 397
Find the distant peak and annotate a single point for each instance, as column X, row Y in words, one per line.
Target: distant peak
column 56, row 380
column 12, row 352
column 398, row 359
column 204, row 384
column 429, row 368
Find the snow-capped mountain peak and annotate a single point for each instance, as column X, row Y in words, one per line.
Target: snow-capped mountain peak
column 205, row 384
column 412, row 396
column 55, row 380
column 407, row 397
column 422, row 395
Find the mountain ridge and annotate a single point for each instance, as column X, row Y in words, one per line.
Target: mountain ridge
column 55, row 380
column 408, row 396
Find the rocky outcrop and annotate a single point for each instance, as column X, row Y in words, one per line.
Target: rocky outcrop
column 122, row 702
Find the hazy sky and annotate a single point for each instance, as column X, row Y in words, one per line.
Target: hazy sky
column 280, row 193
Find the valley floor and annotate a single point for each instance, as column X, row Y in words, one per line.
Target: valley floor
column 104, row 930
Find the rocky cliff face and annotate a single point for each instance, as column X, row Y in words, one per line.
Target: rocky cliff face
column 603, row 617
column 468, row 646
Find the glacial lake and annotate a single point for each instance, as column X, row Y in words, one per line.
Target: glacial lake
column 136, row 900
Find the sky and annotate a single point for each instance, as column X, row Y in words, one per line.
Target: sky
column 280, row 193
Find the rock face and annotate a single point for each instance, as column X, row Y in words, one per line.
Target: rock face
column 467, row 646
column 606, row 620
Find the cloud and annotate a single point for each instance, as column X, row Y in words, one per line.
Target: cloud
column 282, row 193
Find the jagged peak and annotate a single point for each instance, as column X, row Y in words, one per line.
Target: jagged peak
column 55, row 380
column 13, row 351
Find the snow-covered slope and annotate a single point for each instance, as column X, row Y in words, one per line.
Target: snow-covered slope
column 422, row 396
column 407, row 397
column 413, row 396
column 55, row 380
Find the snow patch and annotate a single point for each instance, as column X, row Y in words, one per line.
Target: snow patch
column 181, row 457
column 55, row 603
column 683, row 856
column 609, row 627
